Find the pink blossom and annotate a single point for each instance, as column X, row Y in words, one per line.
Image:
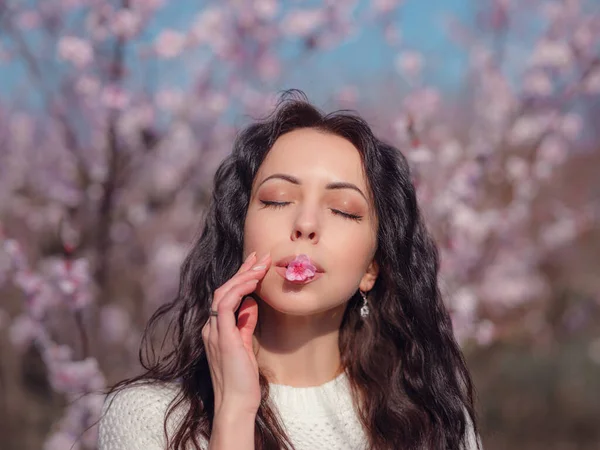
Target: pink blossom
column 526, row 129
column 266, row 9
column 114, row 97
column 76, row 376
column 300, row 269
column 169, row 44
column 592, row 82
column 303, row 22
column 571, row 125
column 553, row 150
column 552, row 54
column 393, row 35
column 348, row 95
column 485, row 332
column 269, row 67
column 77, row 270
column 126, row 23
column 423, row 103
column 23, row 331
column 410, row 63
column 15, row 253
column 29, row 19
column 420, row 154
column 385, row 6
column 75, row 50
column 538, row 83
column 210, row 27
column 55, row 354
column 559, row 233
column 517, row 167
column 29, row 282
column 170, row 99
column 147, row 5
column 115, row 323
column 87, row 85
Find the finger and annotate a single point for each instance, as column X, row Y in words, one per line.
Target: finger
column 244, row 267
column 205, row 332
column 239, row 278
column 209, row 347
column 247, row 319
column 222, row 290
column 250, row 259
column 259, row 270
column 227, row 325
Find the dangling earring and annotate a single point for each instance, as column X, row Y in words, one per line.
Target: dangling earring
column 364, row 310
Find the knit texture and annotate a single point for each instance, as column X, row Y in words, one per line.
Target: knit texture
column 319, row 417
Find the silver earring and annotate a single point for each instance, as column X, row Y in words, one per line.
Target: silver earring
column 364, row 310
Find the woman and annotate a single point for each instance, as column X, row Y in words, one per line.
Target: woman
column 331, row 334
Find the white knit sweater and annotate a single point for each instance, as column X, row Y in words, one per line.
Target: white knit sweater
column 319, row 417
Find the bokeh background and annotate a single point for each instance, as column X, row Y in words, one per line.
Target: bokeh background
column 115, row 114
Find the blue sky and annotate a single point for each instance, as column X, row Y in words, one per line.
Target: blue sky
column 363, row 60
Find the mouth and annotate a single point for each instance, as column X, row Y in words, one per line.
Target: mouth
column 284, row 262
column 281, row 270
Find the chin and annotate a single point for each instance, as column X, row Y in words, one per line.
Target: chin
column 297, row 303
column 292, row 303
column 290, row 299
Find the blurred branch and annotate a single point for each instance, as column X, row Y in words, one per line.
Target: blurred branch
column 69, row 136
column 105, row 213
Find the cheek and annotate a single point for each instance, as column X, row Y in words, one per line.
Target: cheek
column 258, row 233
column 355, row 252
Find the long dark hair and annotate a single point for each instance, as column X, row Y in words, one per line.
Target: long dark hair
column 411, row 387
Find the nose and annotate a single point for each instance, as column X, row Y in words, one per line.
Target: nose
column 306, row 226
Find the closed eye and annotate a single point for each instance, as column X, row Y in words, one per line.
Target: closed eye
column 270, row 204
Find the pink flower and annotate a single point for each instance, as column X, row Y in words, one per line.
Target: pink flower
column 24, row 331
column 126, row 23
column 77, row 51
column 170, row 44
column 300, row 269
column 303, row 22
column 115, row 97
column 410, row 64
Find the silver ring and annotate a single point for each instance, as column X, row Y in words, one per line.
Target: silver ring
column 214, row 313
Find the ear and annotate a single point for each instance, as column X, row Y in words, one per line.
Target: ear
column 369, row 278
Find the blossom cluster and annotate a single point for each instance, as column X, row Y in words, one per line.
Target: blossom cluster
column 127, row 158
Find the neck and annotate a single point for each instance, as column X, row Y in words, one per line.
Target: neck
column 299, row 351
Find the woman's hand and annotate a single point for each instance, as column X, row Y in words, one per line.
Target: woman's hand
column 233, row 366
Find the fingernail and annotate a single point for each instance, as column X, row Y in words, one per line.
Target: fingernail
column 250, row 256
column 260, row 267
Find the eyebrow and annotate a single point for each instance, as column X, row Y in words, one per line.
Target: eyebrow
column 332, row 185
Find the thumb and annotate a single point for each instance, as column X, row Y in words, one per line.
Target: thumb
column 247, row 319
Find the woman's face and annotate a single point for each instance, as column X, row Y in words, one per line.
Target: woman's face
column 317, row 179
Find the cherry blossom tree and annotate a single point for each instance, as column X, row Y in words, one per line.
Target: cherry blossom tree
column 106, row 163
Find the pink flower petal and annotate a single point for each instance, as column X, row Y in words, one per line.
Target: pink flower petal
column 300, row 269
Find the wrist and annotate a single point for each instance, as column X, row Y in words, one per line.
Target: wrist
column 231, row 417
column 232, row 429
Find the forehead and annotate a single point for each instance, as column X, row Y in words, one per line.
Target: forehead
column 312, row 154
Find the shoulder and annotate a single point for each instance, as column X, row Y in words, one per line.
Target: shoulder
column 133, row 417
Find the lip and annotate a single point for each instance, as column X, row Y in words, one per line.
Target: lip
column 283, row 262
column 282, row 269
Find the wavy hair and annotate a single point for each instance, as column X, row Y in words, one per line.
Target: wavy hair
column 410, row 384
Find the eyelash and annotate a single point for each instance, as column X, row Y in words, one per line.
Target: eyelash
column 354, row 217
